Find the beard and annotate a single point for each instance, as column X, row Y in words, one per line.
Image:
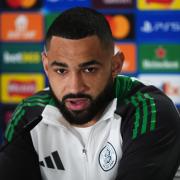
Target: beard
column 95, row 106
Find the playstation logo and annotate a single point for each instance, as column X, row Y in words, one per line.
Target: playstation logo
column 147, row 27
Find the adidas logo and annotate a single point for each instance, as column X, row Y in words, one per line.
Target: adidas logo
column 52, row 161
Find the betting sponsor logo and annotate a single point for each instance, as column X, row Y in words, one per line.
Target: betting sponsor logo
column 64, row 4
column 169, row 83
column 121, row 25
column 129, row 51
column 159, row 58
column 22, row 27
column 158, row 26
column 19, row 86
column 21, row 56
column 158, row 4
column 113, row 3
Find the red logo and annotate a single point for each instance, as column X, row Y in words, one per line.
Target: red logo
column 160, row 1
column 23, row 89
column 160, row 52
column 170, row 89
column 20, row 3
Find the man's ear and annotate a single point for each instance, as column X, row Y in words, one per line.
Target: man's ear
column 45, row 62
column 117, row 63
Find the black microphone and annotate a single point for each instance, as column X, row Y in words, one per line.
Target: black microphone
column 26, row 128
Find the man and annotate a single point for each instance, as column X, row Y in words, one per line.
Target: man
column 95, row 124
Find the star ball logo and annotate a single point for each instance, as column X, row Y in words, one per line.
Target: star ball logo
column 21, row 4
column 21, row 27
column 160, row 52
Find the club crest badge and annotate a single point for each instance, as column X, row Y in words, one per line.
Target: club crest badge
column 107, row 157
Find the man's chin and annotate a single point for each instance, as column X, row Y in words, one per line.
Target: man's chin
column 78, row 117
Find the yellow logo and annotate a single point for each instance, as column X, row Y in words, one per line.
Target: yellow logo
column 19, row 86
column 158, row 4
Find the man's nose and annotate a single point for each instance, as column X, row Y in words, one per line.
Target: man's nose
column 76, row 83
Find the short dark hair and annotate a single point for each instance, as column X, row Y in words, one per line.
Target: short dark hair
column 80, row 22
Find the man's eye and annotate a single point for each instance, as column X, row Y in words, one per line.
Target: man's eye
column 90, row 70
column 61, row 71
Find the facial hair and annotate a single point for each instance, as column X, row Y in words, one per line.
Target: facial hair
column 96, row 106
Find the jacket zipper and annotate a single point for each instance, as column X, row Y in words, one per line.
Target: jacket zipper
column 84, row 153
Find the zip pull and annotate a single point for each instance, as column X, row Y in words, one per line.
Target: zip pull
column 84, row 151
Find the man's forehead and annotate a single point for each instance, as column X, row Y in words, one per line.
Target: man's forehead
column 85, row 48
column 89, row 39
column 89, row 45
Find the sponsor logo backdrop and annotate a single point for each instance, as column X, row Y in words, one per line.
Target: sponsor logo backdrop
column 147, row 31
column 19, row 86
column 20, row 58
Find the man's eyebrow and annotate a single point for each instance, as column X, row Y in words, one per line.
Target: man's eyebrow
column 92, row 62
column 55, row 63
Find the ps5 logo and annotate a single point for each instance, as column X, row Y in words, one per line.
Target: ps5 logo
column 160, row 26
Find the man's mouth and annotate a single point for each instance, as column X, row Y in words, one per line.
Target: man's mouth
column 77, row 104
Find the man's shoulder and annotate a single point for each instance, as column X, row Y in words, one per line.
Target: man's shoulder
column 126, row 88
column 144, row 109
column 27, row 110
column 131, row 89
